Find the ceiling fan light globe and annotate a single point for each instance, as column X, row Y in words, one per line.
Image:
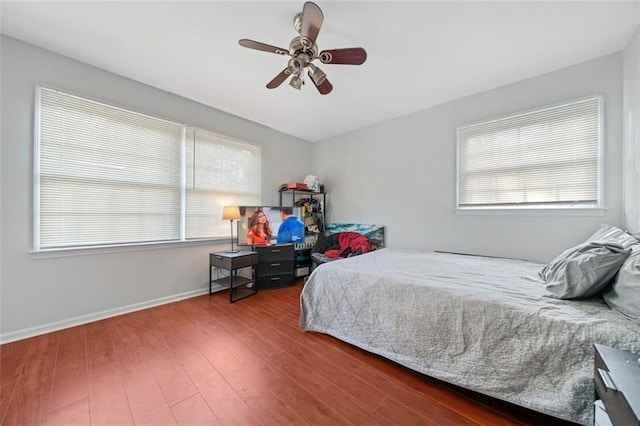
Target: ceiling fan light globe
column 294, row 66
column 295, row 82
column 303, row 59
column 317, row 75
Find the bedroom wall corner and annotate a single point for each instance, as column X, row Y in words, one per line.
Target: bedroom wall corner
column 631, row 133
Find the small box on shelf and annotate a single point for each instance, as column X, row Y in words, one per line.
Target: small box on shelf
column 296, row 185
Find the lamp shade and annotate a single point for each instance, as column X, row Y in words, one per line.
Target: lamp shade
column 231, row 213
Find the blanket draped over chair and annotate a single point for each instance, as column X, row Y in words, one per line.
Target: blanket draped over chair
column 348, row 244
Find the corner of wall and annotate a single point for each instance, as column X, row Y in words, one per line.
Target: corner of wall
column 631, row 132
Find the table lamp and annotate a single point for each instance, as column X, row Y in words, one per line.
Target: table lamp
column 231, row 213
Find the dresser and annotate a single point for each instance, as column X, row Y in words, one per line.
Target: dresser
column 617, row 382
column 275, row 266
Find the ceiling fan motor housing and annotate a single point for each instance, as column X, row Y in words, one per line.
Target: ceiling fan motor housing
column 303, row 54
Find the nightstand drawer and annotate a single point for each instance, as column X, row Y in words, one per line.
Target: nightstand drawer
column 275, row 267
column 275, row 281
column 233, row 260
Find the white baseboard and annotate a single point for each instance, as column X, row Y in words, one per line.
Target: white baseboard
column 84, row 319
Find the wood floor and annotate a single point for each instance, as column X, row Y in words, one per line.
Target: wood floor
column 203, row 361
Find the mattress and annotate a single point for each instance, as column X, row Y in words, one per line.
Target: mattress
column 486, row 324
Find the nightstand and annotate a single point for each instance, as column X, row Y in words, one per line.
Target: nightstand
column 239, row 286
column 617, row 383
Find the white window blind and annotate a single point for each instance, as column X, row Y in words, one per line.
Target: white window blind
column 220, row 172
column 545, row 158
column 108, row 176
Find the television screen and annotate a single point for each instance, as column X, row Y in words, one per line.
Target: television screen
column 250, row 214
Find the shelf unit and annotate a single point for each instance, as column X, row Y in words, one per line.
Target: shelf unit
column 318, row 201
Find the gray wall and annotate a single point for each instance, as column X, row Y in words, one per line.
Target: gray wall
column 631, row 126
column 42, row 293
column 402, row 173
column 399, row 173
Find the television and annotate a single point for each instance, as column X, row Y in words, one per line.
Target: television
column 273, row 216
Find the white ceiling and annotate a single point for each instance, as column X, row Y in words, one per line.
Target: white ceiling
column 420, row 53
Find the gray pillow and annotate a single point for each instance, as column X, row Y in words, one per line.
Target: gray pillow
column 624, row 296
column 612, row 234
column 586, row 269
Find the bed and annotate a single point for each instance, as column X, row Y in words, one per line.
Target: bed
column 485, row 324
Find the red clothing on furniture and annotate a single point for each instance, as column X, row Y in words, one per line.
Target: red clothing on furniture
column 350, row 242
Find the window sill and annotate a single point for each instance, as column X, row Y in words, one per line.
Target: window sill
column 528, row 211
column 95, row 250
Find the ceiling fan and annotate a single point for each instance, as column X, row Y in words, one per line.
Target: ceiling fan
column 303, row 51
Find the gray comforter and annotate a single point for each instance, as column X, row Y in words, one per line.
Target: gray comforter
column 485, row 324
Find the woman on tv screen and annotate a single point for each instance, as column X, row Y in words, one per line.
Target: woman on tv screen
column 259, row 229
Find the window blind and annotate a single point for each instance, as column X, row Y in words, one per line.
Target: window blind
column 219, row 172
column 106, row 175
column 548, row 157
column 109, row 176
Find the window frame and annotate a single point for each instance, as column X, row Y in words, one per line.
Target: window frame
column 596, row 209
column 89, row 248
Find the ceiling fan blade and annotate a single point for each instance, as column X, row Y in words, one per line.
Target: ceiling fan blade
column 325, row 87
column 262, row 46
column 348, row 56
column 312, row 19
column 278, row 79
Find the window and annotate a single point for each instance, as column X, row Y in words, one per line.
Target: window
column 547, row 158
column 219, row 172
column 108, row 176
